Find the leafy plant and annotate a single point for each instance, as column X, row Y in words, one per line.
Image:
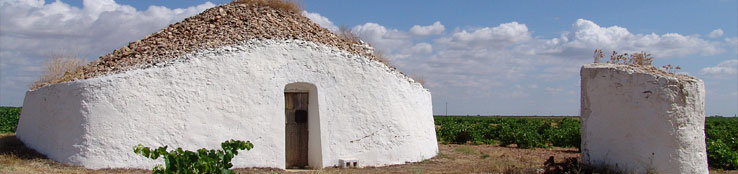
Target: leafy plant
column 202, row 161
column 721, row 155
column 9, row 117
column 525, row 132
column 721, row 136
column 566, row 133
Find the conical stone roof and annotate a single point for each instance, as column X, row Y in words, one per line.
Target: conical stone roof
column 219, row 26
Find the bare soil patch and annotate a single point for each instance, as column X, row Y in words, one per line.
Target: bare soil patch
column 452, row 158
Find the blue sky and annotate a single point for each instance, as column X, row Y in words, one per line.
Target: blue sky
column 480, row 57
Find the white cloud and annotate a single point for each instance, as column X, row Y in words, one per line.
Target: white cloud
column 553, row 91
column 33, row 29
column 478, row 64
column 321, row 20
column 386, row 40
column 435, row 28
column 499, row 36
column 586, row 36
column 724, row 68
column 716, row 33
column 422, row 48
column 732, row 42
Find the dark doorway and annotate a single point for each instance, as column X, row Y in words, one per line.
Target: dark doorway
column 296, row 129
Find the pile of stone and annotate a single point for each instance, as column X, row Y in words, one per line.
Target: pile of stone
column 215, row 27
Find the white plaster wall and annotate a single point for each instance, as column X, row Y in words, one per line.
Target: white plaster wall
column 367, row 111
column 642, row 122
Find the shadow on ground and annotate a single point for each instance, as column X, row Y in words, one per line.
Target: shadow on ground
column 11, row 145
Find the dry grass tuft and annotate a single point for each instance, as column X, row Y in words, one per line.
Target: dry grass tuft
column 379, row 56
column 15, row 157
column 58, row 65
column 419, row 78
column 638, row 58
column 345, row 33
column 641, row 59
column 286, row 5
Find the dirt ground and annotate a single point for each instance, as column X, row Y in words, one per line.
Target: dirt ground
column 452, row 158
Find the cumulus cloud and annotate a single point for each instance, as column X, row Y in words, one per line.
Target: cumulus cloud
column 435, row 28
column 320, row 20
column 481, row 62
column 31, row 29
column 586, row 36
column 716, row 33
column 422, row 48
column 387, row 40
column 728, row 68
column 732, row 42
column 499, row 36
column 475, row 64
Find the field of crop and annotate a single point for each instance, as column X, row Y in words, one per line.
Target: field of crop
column 722, row 142
column 523, row 132
column 9, row 119
column 531, row 132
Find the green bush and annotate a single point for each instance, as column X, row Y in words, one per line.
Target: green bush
column 565, row 134
column 9, row 117
column 525, row 132
column 202, row 161
column 721, row 136
column 721, row 156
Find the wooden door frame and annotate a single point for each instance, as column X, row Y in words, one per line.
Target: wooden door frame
column 315, row 140
column 296, row 132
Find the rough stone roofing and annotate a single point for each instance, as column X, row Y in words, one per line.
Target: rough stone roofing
column 215, row 27
column 648, row 69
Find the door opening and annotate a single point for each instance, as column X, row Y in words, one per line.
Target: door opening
column 296, row 129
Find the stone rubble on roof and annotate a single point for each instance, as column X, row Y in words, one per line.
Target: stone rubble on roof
column 215, row 27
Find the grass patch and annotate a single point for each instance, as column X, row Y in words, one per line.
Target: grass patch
column 466, row 150
column 442, row 155
column 289, row 5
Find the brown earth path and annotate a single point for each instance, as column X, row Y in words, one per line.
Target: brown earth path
column 452, row 158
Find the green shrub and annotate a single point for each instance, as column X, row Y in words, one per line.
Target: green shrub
column 9, row 117
column 721, row 136
column 566, row 133
column 525, row 132
column 202, row 161
column 721, row 156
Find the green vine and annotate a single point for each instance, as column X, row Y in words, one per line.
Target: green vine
column 202, row 161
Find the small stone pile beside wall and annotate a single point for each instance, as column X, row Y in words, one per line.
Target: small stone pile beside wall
column 637, row 120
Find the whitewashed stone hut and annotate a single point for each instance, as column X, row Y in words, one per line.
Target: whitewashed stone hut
column 639, row 119
column 302, row 95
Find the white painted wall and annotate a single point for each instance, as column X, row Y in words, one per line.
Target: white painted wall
column 367, row 111
column 642, row 122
